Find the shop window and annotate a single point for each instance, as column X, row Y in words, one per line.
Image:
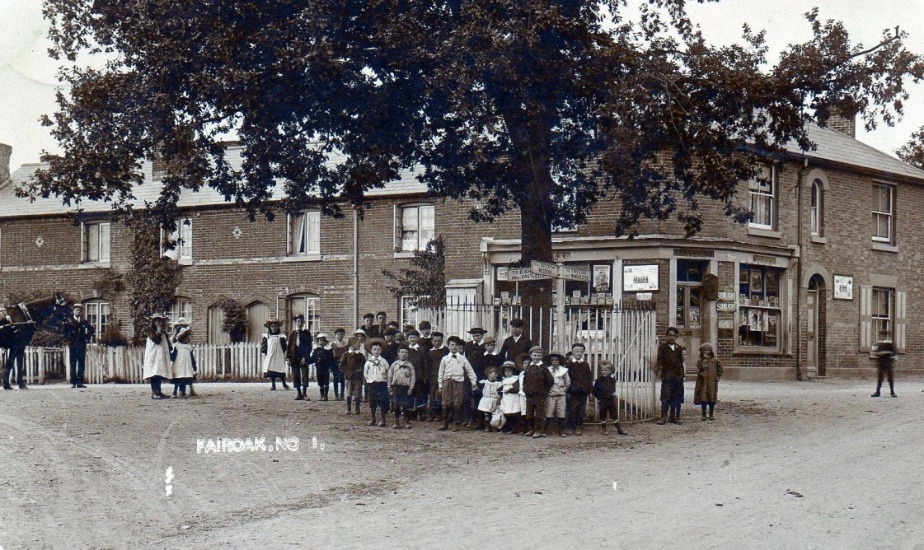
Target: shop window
column 762, row 190
column 883, row 213
column 95, row 242
column 414, row 227
column 760, row 316
column 97, row 314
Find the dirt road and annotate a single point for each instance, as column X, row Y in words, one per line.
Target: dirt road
column 808, row 465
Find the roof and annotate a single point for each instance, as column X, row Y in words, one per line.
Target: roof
column 839, row 148
column 833, row 147
column 13, row 206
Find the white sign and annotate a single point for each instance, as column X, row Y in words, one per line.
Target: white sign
column 544, row 268
column 643, row 296
column 639, row 278
column 725, row 306
column 574, row 273
column 727, row 296
column 524, row 274
column 843, row 287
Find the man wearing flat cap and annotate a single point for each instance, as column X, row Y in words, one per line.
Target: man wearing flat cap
column 516, row 344
column 78, row 332
column 298, row 353
column 474, row 352
column 670, row 364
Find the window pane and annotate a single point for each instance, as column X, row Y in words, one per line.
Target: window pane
column 93, row 242
column 104, row 242
column 313, row 232
column 301, row 235
column 427, row 225
column 185, row 244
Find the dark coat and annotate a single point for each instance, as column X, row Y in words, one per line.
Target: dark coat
column 474, row 352
column 78, row 334
column 352, row 365
column 670, row 362
column 604, row 387
column 510, row 350
column 707, row 380
column 581, row 377
column 433, row 365
column 297, row 355
column 419, row 358
column 323, row 359
column 371, row 332
column 537, row 380
column 390, row 353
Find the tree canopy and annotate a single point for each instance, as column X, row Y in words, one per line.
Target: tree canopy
column 913, row 151
column 540, row 106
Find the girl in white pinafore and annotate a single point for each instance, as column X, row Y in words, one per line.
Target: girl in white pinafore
column 273, row 347
column 510, row 396
column 157, row 366
column 490, row 396
column 184, row 362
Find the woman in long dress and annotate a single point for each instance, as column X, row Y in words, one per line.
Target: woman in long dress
column 157, row 366
column 273, row 348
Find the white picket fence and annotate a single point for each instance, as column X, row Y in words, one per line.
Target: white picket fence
column 626, row 337
column 40, row 364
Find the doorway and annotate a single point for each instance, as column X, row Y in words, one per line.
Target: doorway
column 816, row 327
column 689, row 317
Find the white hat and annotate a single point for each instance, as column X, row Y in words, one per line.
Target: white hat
column 181, row 322
column 321, row 335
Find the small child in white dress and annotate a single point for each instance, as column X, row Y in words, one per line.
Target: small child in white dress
column 490, row 396
column 510, row 396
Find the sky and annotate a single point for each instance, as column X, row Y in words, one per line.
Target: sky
column 28, row 76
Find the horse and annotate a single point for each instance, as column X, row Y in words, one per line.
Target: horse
column 19, row 326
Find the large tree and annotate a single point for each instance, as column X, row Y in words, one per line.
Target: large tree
column 913, row 151
column 541, row 106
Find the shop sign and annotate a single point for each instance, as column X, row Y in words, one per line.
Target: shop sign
column 725, row 306
column 694, row 253
column 764, row 260
column 639, row 278
column 545, row 269
column 574, row 273
column 524, row 274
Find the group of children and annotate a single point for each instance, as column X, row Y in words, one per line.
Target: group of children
column 169, row 358
column 412, row 374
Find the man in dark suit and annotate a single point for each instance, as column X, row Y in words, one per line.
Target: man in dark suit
column 474, row 352
column 516, row 344
column 298, row 353
column 78, row 332
column 670, row 364
column 369, row 328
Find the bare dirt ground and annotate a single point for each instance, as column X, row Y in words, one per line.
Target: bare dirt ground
column 808, row 465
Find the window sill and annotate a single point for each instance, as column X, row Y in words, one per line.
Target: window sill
column 185, row 261
column 819, row 240
column 94, row 265
column 884, row 247
column 767, row 351
column 760, row 232
column 403, row 255
column 302, row 258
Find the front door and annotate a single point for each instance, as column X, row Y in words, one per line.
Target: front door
column 811, row 335
column 689, row 316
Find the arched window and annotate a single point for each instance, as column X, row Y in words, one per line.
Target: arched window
column 307, row 305
column 257, row 315
column 817, row 208
column 97, row 313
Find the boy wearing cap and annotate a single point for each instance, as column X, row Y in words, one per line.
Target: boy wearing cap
column 537, row 380
column 670, row 364
column 401, row 382
column 369, row 328
column 390, row 352
column 351, row 364
column 555, row 403
column 434, row 358
column 78, row 332
column 516, row 343
column 339, row 346
column 322, row 357
column 454, row 368
column 273, row 348
column 604, row 390
column 582, row 381
column 426, row 335
column 299, row 355
column 375, row 372
column 418, row 357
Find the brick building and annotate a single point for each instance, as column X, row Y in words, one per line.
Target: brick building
column 828, row 266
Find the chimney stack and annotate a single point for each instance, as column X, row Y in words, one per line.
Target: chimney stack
column 842, row 124
column 5, row 152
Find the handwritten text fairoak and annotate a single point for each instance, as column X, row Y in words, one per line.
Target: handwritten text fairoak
column 239, row 445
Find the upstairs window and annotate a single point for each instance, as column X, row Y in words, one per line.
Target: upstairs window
column 305, row 234
column 95, row 242
column 414, row 227
column 180, row 239
column 816, row 208
column 883, row 213
column 763, row 198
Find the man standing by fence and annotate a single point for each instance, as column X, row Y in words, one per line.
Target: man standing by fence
column 78, row 332
column 299, row 355
column 516, row 344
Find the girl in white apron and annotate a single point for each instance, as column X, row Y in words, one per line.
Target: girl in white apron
column 157, row 366
column 184, row 362
column 273, row 348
